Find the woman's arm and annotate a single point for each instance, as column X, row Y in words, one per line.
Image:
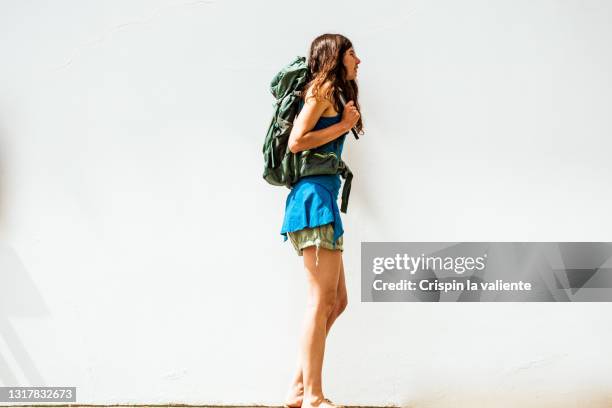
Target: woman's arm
column 302, row 138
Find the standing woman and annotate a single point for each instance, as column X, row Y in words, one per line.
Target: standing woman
column 312, row 219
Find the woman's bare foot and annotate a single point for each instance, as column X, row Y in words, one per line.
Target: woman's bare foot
column 320, row 403
column 294, row 397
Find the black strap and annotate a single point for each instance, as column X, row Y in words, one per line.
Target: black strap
column 346, row 190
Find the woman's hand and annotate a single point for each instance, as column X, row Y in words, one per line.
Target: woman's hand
column 350, row 115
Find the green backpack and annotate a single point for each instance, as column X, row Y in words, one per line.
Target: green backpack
column 281, row 166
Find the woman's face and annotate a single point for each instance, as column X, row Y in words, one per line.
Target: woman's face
column 351, row 63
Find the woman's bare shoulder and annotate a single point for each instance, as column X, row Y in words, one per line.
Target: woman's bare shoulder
column 324, row 93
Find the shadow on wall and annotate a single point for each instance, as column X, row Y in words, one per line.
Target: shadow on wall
column 19, row 297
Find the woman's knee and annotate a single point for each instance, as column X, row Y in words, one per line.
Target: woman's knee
column 341, row 304
column 323, row 303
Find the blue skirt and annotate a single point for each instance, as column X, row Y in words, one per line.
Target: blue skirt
column 312, row 203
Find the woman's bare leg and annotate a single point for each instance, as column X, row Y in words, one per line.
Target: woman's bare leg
column 341, row 298
column 296, row 392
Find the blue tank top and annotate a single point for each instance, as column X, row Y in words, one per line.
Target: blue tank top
column 313, row 199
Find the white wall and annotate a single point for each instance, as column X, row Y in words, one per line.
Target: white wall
column 141, row 259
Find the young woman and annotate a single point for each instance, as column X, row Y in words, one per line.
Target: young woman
column 312, row 219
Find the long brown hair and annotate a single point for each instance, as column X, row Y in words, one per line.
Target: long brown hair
column 325, row 65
